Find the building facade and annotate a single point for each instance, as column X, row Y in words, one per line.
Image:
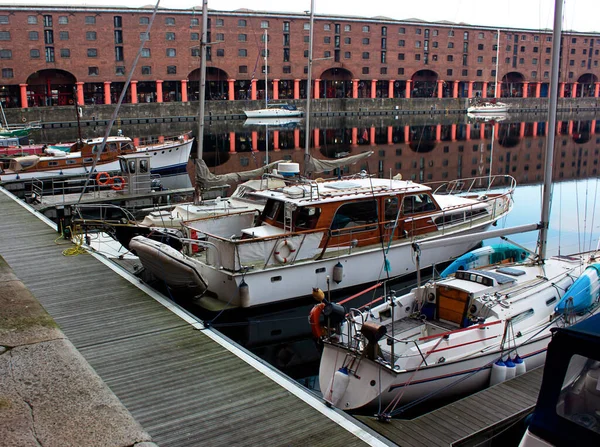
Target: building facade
column 61, row 55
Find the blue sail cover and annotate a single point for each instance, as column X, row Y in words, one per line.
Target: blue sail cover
column 584, row 292
column 490, row 254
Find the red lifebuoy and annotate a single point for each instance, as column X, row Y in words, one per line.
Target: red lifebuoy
column 314, row 319
column 118, row 185
column 103, row 178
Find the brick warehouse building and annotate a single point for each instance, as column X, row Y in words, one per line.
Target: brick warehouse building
column 55, row 55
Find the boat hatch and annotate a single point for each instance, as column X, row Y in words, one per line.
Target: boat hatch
column 343, row 185
column 452, row 305
column 487, row 278
column 511, row 271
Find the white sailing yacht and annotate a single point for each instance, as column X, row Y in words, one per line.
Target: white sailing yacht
column 273, row 110
column 458, row 334
column 490, row 107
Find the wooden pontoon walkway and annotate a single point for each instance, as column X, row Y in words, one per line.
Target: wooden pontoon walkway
column 468, row 421
column 184, row 384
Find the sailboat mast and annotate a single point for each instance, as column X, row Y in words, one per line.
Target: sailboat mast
column 202, row 83
column 552, row 107
column 266, row 71
column 497, row 56
column 308, row 83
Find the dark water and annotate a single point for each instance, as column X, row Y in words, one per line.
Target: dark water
column 421, row 148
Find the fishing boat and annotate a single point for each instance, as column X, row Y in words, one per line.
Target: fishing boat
column 272, row 110
column 351, row 229
column 477, row 327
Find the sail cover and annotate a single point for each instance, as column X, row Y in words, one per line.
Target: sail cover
column 206, row 179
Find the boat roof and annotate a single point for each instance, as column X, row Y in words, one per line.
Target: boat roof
column 341, row 190
column 115, row 139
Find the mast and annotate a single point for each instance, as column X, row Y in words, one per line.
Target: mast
column 553, row 93
column 497, row 56
column 266, row 71
column 202, row 83
column 308, row 84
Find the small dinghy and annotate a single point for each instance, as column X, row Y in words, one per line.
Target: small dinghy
column 169, row 265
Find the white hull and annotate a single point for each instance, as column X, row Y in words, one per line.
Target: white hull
column 272, row 113
column 473, row 374
column 168, row 156
column 430, row 357
column 490, row 109
column 109, row 167
column 285, row 282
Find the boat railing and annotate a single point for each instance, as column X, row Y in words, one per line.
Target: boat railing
column 100, row 214
column 259, row 251
column 473, row 184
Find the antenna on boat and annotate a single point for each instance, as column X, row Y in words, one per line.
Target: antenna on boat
column 118, row 106
column 547, row 188
column 308, row 85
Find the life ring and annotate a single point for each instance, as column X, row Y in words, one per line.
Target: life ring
column 314, row 318
column 24, row 120
column 397, row 84
column 104, row 178
column 395, row 139
column 291, row 248
column 362, row 84
column 70, row 101
column 118, row 186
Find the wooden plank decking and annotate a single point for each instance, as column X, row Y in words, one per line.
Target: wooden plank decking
column 184, row 388
column 467, row 418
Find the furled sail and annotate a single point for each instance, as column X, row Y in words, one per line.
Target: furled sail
column 206, row 179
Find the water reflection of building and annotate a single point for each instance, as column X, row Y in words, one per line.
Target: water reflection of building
column 428, row 153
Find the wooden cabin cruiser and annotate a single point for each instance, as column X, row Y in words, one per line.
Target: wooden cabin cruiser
column 456, row 335
column 347, row 229
column 166, row 157
column 79, row 160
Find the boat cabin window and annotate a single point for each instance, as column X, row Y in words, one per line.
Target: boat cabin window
column 356, row 214
column 390, row 208
column 307, row 217
column 451, row 218
column 417, row 203
column 88, row 160
column 131, row 166
column 522, row 316
column 579, row 399
column 52, row 163
column 143, row 166
column 272, row 210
